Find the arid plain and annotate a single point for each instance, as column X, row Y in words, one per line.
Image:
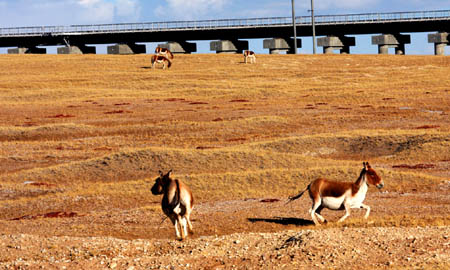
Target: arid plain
column 82, row 138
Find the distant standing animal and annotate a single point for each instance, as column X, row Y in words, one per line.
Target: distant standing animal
column 249, row 55
column 160, row 59
column 177, row 202
column 340, row 195
column 164, row 51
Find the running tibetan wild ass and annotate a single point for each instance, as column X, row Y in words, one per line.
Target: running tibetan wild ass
column 177, row 202
column 340, row 195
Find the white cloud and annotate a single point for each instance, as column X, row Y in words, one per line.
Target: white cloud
column 95, row 11
column 342, row 4
column 107, row 10
column 66, row 12
column 190, row 9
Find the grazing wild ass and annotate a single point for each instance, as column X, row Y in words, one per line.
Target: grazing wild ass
column 164, row 51
column 249, row 55
column 177, row 202
column 160, row 59
column 340, row 195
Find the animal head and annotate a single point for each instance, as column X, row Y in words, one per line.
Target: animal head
column 161, row 182
column 372, row 176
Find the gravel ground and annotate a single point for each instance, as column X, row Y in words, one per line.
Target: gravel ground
column 336, row 248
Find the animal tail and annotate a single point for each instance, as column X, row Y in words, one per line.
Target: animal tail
column 169, row 63
column 170, row 54
column 293, row 198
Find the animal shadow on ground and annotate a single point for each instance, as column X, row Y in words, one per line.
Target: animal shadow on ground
column 283, row 221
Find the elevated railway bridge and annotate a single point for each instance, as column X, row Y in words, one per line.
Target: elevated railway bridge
column 336, row 32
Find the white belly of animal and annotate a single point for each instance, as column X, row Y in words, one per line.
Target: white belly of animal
column 333, row 203
column 356, row 201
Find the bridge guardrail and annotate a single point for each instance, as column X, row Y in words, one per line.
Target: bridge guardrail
column 225, row 23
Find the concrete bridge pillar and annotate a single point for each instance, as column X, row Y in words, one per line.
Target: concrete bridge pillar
column 440, row 40
column 280, row 45
column 129, row 48
column 332, row 43
column 180, row 46
column 78, row 49
column 228, row 46
column 30, row 50
column 387, row 41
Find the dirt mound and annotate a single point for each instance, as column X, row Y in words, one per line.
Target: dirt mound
column 362, row 144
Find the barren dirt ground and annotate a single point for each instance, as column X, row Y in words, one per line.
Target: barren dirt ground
column 83, row 137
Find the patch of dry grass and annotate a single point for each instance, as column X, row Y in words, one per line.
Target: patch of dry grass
column 99, row 127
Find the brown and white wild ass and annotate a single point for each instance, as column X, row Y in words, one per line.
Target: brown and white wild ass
column 177, row 202
column 160, row 59
column 164, row 51
column 340, row 195
column 249, row 55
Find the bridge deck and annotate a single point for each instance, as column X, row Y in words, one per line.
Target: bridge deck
column 321, row 20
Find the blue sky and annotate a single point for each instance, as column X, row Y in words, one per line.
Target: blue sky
column 15, row 13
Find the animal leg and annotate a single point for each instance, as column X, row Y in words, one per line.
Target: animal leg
column 188, row 219
column 184, row 226
column 180, row 223
column 175, row 224
column 322, row 219
column 368, row 210
column 347, row 212
column 313, row 211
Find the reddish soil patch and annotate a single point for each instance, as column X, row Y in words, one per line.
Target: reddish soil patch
column 239, row 100
column 388, row 98
column 217, row 119
column 236, row 140
column 417, row 166
column 61, row 116
column 28, row 124
column 204, row 147
column 269, row 200
column 103, row 149
column 198, row 103
column 174, row 99
column 40, row 184
column 117, row 112
column 122, row 104
column 428, row 127
column 57, row 214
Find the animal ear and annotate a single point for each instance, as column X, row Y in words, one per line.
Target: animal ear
column 160, row 173
column 364, row 165
column 368, row 165
column 168, row 173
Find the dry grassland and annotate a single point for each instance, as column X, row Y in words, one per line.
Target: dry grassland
column 86, row 136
